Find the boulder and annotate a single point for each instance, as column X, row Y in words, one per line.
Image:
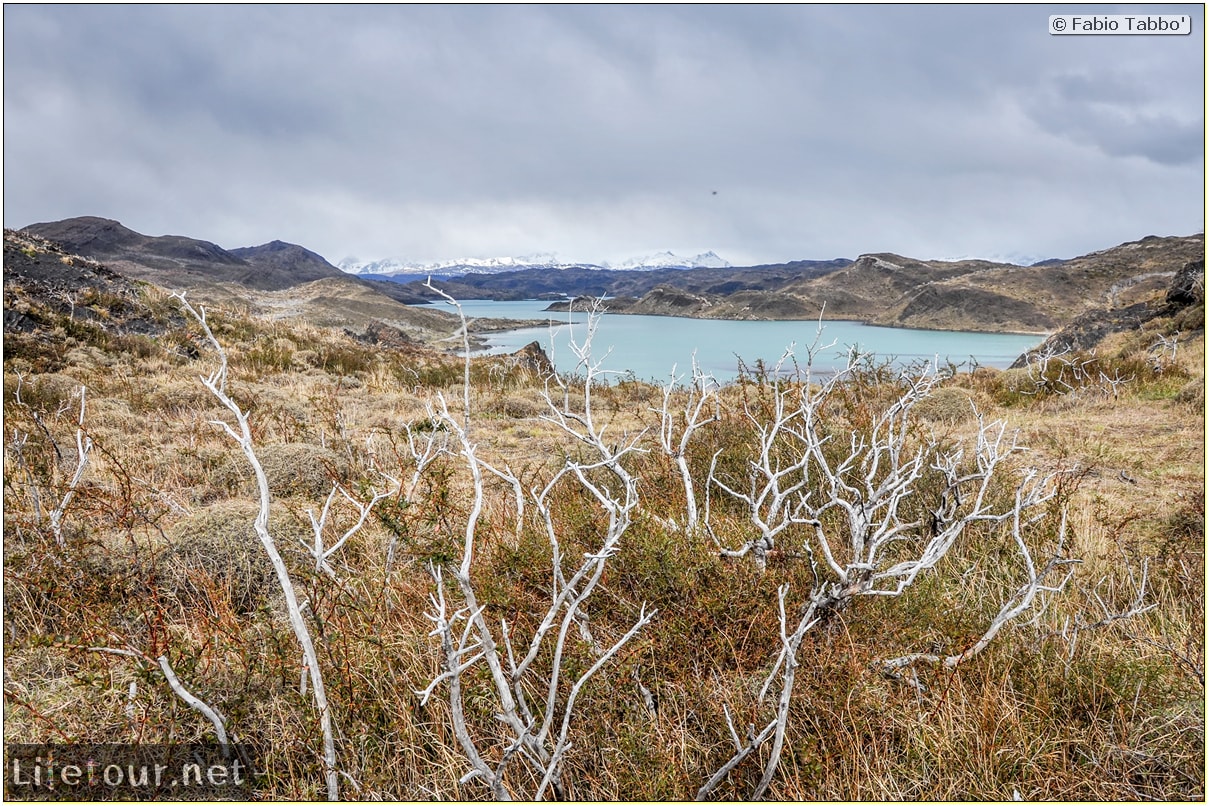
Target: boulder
column 533, row 358
column 1188, row 287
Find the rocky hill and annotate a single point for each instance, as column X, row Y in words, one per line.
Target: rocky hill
column 882, row 288
column 178, row 262
column 1183, row 302
column 44, row 284
column 896, row 291
column 283, row 279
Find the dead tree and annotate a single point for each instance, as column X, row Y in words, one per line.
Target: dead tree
column 16, row 449
column 699, row 394
column 540, row 727
column 854, row 506
column 241, row 434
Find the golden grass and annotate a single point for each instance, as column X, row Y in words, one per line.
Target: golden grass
column 1049, row 711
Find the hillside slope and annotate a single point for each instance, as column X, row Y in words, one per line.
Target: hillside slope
column 260, row 276
column 972, row 295
column 882, row 288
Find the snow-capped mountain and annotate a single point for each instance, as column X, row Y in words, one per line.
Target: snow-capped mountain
column 668, row 260
column 460, row 266
column 495, row 265
column 1014, row 259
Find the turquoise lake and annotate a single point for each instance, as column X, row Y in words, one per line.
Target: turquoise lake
column 650, row 346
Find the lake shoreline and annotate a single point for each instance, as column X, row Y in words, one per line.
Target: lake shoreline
column 866, row 322
column 648, row 346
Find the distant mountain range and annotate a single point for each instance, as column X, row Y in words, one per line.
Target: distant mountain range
column 394, row 267
column 276, row 277
column 883, row 288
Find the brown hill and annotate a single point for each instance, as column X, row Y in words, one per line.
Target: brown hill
column 974, row 295
column 178, row 263
column 883, row 288
column 1182, row 301
column 274, row 277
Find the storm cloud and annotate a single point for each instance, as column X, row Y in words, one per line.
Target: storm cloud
column 765, row 133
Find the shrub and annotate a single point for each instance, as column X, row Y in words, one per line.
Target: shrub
column 269, row 355
column 291, row 469
column 520, row 407
column 216, row 550
column 946, row 405
column 1191, row 318
column 45, row 392
column 1192, row 394
column 179, row 395
column 344, row 359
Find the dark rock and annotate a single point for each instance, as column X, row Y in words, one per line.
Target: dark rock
column 380, row 333
column 1188, row 287
column 1089, row 329
column 45, row 285
column 533, row 358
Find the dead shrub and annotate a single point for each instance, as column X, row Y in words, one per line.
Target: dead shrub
column 1191, row 318
column 46, row 392
column 179, row 395
column 520, row 407
column 284, row 404
column 88, row 357
column 1016, row 381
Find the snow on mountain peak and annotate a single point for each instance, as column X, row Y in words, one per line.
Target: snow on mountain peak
column 665, row 260
column 659, row 260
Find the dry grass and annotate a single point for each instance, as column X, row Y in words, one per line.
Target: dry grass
column 160, row 558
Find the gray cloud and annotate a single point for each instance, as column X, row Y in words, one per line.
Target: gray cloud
column 601, row 132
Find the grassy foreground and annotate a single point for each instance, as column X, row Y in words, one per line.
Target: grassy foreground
column 155, row 554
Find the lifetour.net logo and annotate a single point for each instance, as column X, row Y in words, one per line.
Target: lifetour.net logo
column 83, row 772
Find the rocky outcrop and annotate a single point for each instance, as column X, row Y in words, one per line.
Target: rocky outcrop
column 379, row 333
column 1091, row 328
column 533, row 358
column 1188, row 287
column 1185, row 295
column 589, row 304
column 668, row 301
column 44, row 284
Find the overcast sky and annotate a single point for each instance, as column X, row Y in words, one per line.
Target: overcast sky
column 764, row 133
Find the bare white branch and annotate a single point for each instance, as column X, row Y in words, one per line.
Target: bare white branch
column 216, row 384
column 701, row 391
column 541, row 739
column 83, row 448
column 194, row 702
column 845, row 503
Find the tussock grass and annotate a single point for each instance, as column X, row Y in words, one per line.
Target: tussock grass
column 160, row 558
